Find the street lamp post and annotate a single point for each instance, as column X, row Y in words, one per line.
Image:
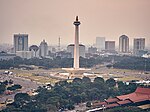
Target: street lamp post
column 103, row 106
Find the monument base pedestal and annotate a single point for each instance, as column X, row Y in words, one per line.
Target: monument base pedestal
column 78, row 73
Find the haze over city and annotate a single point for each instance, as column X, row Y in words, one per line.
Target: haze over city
column 74, row 56
column 49, row 19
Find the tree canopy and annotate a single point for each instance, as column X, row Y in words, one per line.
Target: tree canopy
column 64, row 95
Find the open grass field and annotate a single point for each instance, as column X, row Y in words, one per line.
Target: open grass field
column 120, row 74
column 129, row 78
column 40, row 79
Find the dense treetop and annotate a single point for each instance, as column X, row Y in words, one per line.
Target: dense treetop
column 122, row 62
column 64, row 95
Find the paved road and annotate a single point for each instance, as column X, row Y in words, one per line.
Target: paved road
column 26, row 84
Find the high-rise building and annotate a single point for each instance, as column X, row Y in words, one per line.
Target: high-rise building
column 70, row 49
column 43, row 48
column 123, row 44
column 139, row 44
column 20, row 42
column 110, row 46
column 100, row 43
column 35, row 50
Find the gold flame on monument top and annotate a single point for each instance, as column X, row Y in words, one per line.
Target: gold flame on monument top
column 76, row 18
column 77, row 22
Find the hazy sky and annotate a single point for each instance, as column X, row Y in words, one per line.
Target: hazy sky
column 49, row 19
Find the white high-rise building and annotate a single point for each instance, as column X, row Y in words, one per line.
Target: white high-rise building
column 70, row 49
column 35, row 50
column 20, row 42
column 43, row 48
column 100, row 43
column 123, row 44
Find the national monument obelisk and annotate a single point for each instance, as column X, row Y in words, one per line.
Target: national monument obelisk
column 76, row 44
column 76, row 71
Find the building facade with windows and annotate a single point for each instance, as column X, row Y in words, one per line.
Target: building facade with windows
column 123, row 44
column 20, row 42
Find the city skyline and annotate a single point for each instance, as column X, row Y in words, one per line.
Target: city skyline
column 50, row 19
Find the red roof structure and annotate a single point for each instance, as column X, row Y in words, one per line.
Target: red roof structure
column 112, row 105
column 112, row 100
column 140, row 95
column 124, row 102
column 99, row 104
column 141, row 90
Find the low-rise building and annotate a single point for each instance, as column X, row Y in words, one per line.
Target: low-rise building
column 140, row 97
column 25, row 54
column 63, row 54
column 70, row 49
column 6, row 56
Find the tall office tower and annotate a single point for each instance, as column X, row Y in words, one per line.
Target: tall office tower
column 123, row 44
column 43, row 48
column 20, row 42
column 110, row 46
column 70, row 49
column 100, row 43
column 139, row 44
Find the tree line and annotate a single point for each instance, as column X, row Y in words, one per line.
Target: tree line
column 64, row 95
column 133, row 63
column 7, row 85
column 121, row 62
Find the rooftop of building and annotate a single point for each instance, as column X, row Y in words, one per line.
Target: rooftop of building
column 19, row 34
column 124, row 102
column 6, row 54
column 79, row 45
column 123, row 36
column 140, row 95
column 111, row 100
column 112, row 105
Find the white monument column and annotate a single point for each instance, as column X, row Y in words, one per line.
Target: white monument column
column 76, row 44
